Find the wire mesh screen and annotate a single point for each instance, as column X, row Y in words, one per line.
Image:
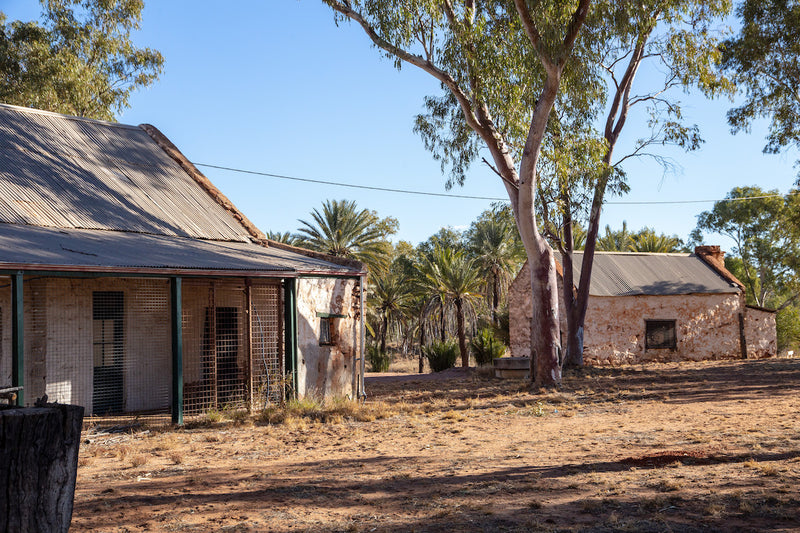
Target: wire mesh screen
column 5, row 332
column 267, row 344
column 101, row 343
column 232, row 340
column 214, row 359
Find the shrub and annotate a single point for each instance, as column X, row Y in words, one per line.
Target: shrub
column 378, row 361
column 441, row 355
column 485, row 348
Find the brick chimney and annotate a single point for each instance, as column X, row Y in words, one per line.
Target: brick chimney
column 714, row 257
column 714, row 253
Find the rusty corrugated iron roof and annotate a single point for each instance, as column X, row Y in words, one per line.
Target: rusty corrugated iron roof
column 69, row 172
column 634, row 273
column 81, row 194
column 96, row 250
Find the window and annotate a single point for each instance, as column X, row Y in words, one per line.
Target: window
column 325, row 328
column 107, row 312
column 660, row 335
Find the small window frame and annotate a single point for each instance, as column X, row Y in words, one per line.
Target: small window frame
column 666, row 328
column 327, row 328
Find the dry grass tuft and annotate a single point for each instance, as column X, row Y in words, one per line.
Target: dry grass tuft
column 138, row 460
column 335, row 411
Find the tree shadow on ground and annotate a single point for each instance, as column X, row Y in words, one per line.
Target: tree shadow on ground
column 510, row 499
column 691, row 382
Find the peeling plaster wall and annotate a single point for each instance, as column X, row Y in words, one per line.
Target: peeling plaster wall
column 707, row 326
column 327, row 371
column 760, row 332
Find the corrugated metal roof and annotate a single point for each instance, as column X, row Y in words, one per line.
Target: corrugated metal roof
column 93, row 250
column 68, row 172
column 631, row 273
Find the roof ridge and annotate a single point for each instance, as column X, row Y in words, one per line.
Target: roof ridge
column 173, row 152
column 34, row 111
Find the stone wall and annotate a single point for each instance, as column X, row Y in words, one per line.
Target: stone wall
column 760, row 332
column 327, row 370
column 707, row 326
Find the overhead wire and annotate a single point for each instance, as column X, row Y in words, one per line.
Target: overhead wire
column 466, row 196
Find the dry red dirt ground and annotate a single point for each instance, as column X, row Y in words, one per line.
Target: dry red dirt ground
column 665, row 447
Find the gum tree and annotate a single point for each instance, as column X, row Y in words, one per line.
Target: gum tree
column 79, row 60
column 501, row 65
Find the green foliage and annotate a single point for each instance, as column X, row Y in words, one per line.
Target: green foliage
column 765, row 230
column 494, row 244
column 441, row 355
column 79, row 60
column 764, row 59
column 341, row 229
column 645, row 240
column 378, row 361
column 485, row 348
column 787, row 323
column 286, row 238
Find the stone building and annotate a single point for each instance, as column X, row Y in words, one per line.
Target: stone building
column 131, row 284
column 657, row 307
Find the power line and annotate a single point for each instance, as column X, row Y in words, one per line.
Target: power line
column 468, row 197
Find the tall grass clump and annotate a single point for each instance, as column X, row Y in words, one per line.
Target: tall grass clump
column 441, row 355
column 486, row 348
column 378, row 361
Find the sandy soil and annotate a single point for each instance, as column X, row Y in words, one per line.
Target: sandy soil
column 693, row 447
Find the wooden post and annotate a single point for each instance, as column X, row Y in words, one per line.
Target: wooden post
column 290, row 334
column 176, row 293
column 38, row 466
column 248, row 295
column 212, row 328
column 18, row 337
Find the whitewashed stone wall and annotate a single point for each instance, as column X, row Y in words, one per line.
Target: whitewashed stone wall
column 759, row 327
column 327, row 370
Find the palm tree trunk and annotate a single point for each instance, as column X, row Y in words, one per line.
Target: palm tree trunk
column 442, row 324
column 421, row 344
column 495, row 298
column 384, row 327
column 462, row 336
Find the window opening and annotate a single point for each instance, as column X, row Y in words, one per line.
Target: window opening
column 660, row 334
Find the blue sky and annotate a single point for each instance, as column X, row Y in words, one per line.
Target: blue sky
column 275, row 86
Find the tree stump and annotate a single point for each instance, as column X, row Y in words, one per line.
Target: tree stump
column 38, row 466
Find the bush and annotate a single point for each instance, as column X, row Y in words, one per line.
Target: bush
column 485, row 348
column 378, row 361
column 441, row 355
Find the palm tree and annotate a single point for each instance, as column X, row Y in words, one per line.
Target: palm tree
column 615, row 241
column 286, row 237
column 343, row 230
column 390, row 291
column 497, row 252
column 648, row 241
column 456, row 279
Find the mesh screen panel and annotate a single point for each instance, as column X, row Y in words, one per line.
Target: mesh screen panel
column 101, row 343
column 267, row 344
column 5, row 332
